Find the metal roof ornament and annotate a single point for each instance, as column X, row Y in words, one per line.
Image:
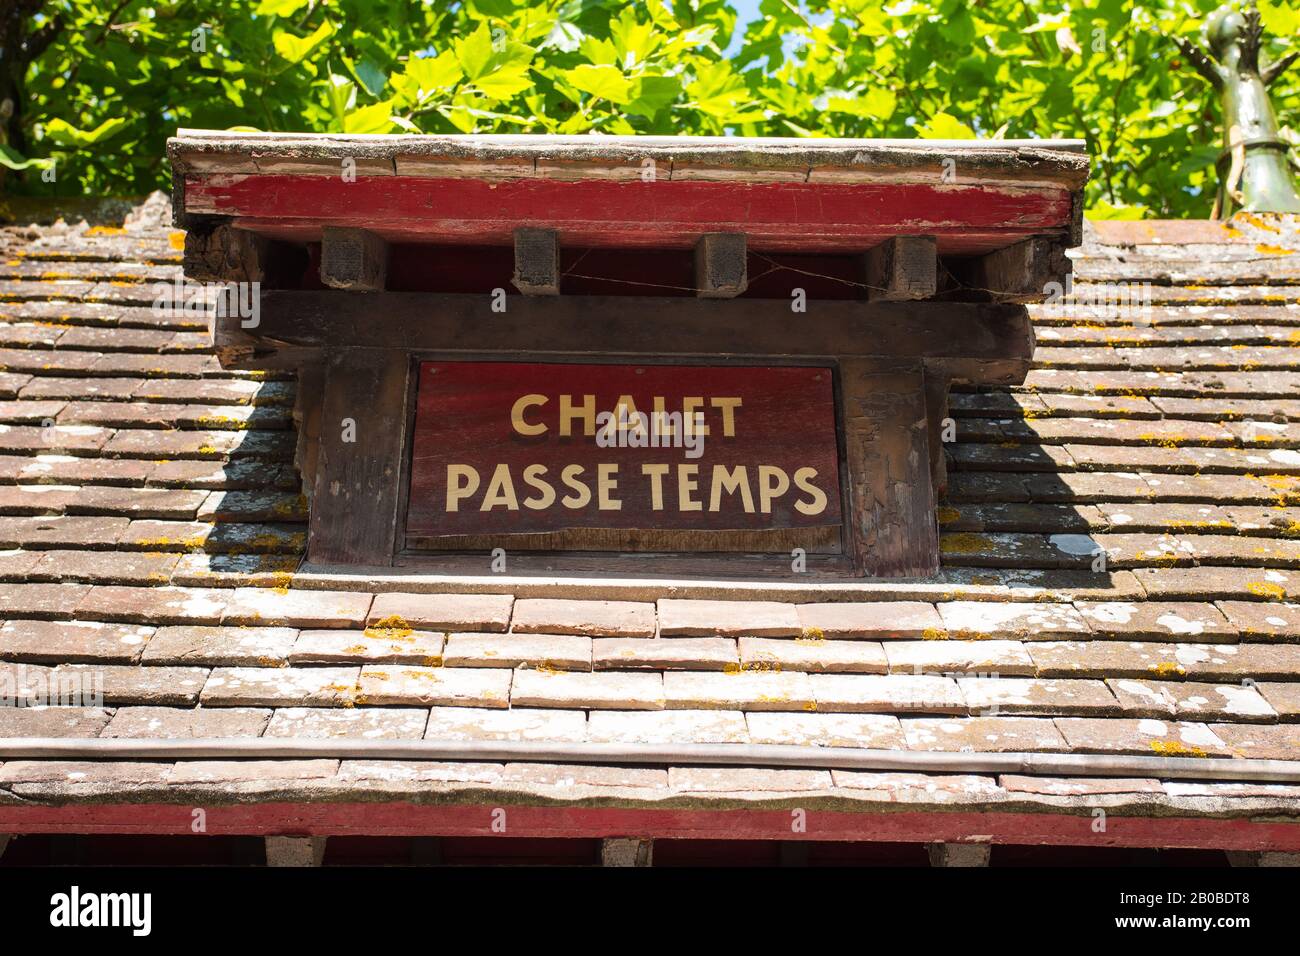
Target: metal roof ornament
column 1254, row 170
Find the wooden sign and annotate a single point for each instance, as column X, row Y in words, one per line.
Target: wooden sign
column 624, row 457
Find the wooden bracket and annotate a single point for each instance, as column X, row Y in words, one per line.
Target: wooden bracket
column 224, row 254
column 904, row 267
column 959, row 854
column 621, row 851
column 295, row 851
column 720, row 267
column 537, row 261
column 1021, row 273
column 363, row 429
column 891, row 507
column 353, row 259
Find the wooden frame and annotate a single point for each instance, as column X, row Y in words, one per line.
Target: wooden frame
column 890, row 406
column 823, row 540
column 950, row 239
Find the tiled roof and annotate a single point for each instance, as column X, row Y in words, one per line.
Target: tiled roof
column 151, row 531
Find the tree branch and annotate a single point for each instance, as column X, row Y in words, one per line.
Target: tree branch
column 38, row 42
column 1278, row 67
column 1203, row 64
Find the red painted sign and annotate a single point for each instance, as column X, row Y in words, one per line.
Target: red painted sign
column 505, row 448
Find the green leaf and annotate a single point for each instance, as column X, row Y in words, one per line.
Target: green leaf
column 370, row 119
column 1048, row 21
column 1279, row 20
column 699, row 36
column 65, row 134
column 650, row 94
column 461, row 118
column 11, row 158
column 475, row 52
column 342, row 96
column 371, row 76
column 485, row 51
column 607, row 82
column 564, row 37
column 944, row 126
column 718, row 92
column 874, row 103
column 662, row 16
column 279, row 8
column 496, row 64
column 295, row 48
column 506, row 82
column 440, row 72
column 1104, row 210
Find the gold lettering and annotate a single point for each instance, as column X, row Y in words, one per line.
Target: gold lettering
column 772, row 483
column 731, row 480
column 583, row 494
column 462, row 482
column 586, row 412
column 606, row 482
column 500, row 491
column 656, row 475
column 728, row 406
column 533, row 478
column 690, row 405
column 686, row 486
column 517, row 415
column 803, row 479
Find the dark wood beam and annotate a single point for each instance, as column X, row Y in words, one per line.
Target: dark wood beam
column 626, row 851
column 892, row 530
column 353, row 259
column 296, row 323
column 902, row 268
column 306, row 419
column 720, row 267
column 959, row 854
column 224, row 254
column 537, row 261
column 1021, row 272
column 363, row 426
column 295, row 850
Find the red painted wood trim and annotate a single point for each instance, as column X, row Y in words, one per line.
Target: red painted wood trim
column 404, row 819
column 793, row 216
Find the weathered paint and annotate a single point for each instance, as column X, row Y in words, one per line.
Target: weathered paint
column 405, row 819
column 481, row 426
column 803, row 217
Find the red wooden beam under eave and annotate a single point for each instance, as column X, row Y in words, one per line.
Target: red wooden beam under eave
column 405, row 819
column 807, row 217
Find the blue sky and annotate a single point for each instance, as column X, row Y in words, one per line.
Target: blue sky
column 746, row 13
